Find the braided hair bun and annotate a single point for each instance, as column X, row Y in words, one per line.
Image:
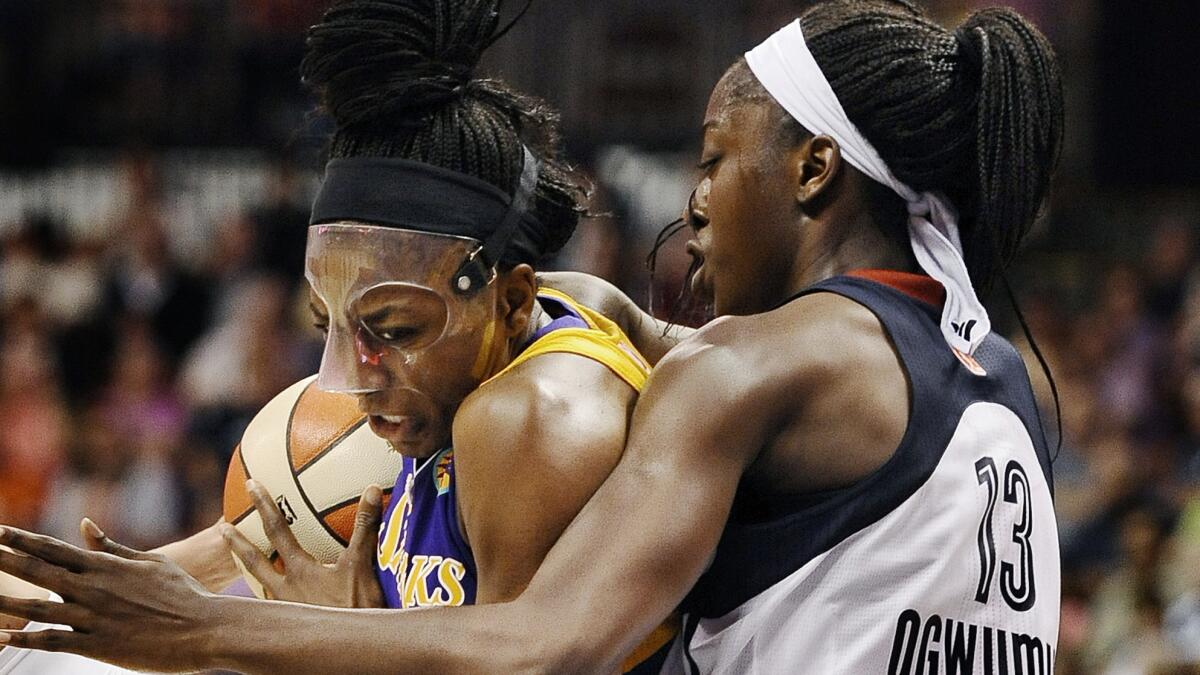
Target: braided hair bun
column 398, row 78
column 390, row 63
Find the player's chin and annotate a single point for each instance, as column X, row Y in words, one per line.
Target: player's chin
column 421, row 448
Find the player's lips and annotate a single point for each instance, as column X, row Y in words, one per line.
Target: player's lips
column 396, row 427
column 699, row 287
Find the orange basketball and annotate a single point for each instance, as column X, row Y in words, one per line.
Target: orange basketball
column 315, row 455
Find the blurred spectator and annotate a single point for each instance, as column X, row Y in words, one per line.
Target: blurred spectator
column 145, row 282
column 282, row 223
column 31, row 413
column 253, row 340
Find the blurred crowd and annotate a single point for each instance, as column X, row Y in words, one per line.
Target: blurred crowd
column 136, row 73
column 1125, row 356
column 127, row 376
column 130, row 363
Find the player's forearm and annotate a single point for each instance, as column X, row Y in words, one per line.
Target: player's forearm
column 653, row 337
column 206, row 557
column 275, row 637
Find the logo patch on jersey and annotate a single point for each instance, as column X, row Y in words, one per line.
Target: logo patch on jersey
column 970, row 362
column 441, row 471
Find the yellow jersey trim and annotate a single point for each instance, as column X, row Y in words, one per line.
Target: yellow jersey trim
column 602, row 341
column 655, row 641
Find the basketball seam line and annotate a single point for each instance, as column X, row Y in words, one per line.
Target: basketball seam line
column 344, row 434
column 246, row 473
column 287, row 441
column 348, row 502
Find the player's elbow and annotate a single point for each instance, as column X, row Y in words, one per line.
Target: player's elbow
column 570, row 657
column 540, row 644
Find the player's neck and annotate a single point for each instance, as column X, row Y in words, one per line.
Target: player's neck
column 854, row 245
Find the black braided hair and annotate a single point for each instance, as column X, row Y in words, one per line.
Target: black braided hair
column 398, row 79
column 975, row 113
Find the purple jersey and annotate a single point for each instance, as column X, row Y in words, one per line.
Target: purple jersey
column 422, row 558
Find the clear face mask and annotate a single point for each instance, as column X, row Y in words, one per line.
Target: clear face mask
column 395, row 322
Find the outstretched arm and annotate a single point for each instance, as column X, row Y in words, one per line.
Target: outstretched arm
column 653, row 337
column 202, row 555
column 621, row 566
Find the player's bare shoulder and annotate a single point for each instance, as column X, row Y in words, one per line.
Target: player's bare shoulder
column 790, row 350
column 825, row 381
column 558, row 411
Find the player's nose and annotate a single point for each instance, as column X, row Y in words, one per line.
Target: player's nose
column 348, row 366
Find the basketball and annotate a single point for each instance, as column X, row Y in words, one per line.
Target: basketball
column 315, row 454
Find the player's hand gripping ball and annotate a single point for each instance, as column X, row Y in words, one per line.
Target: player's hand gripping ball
column 314, row 454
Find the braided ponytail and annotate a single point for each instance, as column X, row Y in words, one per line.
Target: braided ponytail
column 976, row 114
column 1019, row 126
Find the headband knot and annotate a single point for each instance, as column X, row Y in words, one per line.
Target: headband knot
column 786, row 68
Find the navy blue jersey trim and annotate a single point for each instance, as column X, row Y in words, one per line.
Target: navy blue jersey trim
column 754, row 555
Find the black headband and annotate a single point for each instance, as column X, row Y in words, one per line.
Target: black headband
column 417, row 196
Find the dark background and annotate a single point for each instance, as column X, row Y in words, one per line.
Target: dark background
column 157, row 158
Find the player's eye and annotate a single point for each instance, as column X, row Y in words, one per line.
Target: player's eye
column 397, row 334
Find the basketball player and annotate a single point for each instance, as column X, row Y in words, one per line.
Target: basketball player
column 509, row 404
column 843, row 474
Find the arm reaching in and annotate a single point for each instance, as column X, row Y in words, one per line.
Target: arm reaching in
column 653, row 337
column 617, row 571
column 202, row 555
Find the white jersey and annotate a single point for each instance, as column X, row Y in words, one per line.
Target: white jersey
column 944, row 560
column 29, row 662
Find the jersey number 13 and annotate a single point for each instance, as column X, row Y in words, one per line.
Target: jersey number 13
column 1016, row 580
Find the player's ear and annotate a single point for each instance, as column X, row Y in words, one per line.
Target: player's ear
column 817, row 162
column 514, row 302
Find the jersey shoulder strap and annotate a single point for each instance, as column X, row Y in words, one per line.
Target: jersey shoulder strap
column 601, row 341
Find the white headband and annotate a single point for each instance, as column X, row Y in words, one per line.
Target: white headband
column 786, row 69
